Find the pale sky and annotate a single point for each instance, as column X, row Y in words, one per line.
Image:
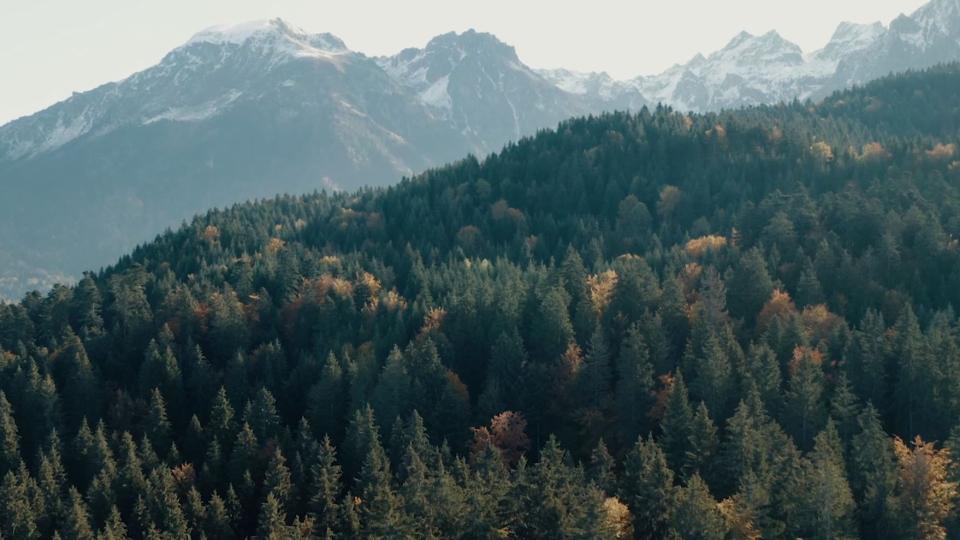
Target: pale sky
column 50, row 48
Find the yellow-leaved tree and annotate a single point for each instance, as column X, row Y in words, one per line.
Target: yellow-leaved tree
column 924, row 495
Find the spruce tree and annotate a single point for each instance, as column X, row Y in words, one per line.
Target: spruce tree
column 647, row 488
column 9, row 437
column 828, row 507
column 76, row 524
column 157, row 425
column 804, row 405
column 381, row 509
column 677, row 423
column 216, row 524
column 327, row 399
column 323, row 502
column 276, row 479
column 595, row 372
column 113, row 527
column 221, row 423
column 697, row 514
column 702, row 444
column 603, row 468
column 271, row 522
column 634, row 387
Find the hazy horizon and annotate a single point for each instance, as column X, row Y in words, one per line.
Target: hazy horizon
column 79, row 45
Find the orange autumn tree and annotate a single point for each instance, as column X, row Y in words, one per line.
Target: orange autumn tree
column 925, row 493
column 506, row 434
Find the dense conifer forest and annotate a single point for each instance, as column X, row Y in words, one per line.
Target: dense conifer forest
column 654, row 325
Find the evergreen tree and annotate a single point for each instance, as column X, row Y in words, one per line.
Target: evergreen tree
column 634, row 388
column 327, row 398
column 160, row 369
column 809, row 290
column 844, row 408
column 603, row 468
column 873, row 471
column 647, row 488
column 750, row 286
column 381, row 509
column 9, row 437
column 157, row 426
column 867, row 359
column 763, row 371
column 193, row 441
column 712, row 383
column 271, row 523
column 702, row 445
column 677, row 424
column 76, row 524
column 163, row 504
column 245, row 457
column 52, row 482
column 221, row 423
column 507, row 359
column 323, row 500
column 828, row 507
column 551, row 330
column 556, row 501
column 76, row 383
column 276, row 479
column 361, row 434
column 416, row 491
column 915, row 377
column 217, row 520
column 804, row 404
column 18, row 520
column 194, row 509
column 262, row 416
column 113, row 528
column 595, row 373
column 393, row 394
column 697, row 515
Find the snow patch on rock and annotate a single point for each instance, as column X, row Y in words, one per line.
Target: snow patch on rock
column 196, row 113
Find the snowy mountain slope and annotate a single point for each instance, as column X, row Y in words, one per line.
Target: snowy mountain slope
column 754, row 70
column 228, row 116
column 929, row 36
column 479, row 85
column 600, row 91
column 749, row 69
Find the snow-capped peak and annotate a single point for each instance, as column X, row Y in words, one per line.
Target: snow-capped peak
column 939, row 15
column 768, row 44
column 850, row 37
column 275, row 32
column 697, row 60
column 738, row 40
column 429, row 70
column 237, row 34
column 574, row 82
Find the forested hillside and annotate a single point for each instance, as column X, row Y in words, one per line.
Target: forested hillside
column 661, row 325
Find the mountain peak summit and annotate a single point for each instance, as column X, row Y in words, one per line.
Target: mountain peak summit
column 471, row 41
column 268, row 30
column 241, row 32
column 739, row 39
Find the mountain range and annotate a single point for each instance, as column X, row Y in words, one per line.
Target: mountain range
column 248, row 111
